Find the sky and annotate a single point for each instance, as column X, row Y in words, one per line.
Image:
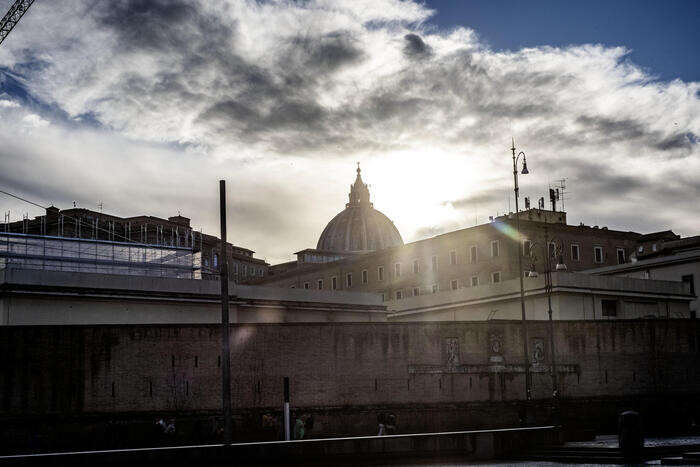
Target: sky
column 144, row 105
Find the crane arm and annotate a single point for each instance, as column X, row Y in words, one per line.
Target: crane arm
column 12, row 17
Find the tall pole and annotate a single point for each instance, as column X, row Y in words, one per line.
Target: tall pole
column 225, row 343
column 548, row 285
column 526, row 356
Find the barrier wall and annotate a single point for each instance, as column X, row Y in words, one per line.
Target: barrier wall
column 432, row 376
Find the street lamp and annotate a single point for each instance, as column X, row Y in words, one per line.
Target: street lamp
column 526, row 356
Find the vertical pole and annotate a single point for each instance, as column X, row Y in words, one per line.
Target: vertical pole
column 286, row 408
column 526, row 356
column 226, row 346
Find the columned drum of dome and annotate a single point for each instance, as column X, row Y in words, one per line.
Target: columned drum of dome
column 359, row 227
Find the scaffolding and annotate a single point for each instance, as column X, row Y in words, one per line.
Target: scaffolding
column 24, row 251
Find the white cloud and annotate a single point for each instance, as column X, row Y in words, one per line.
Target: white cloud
column 282, row 97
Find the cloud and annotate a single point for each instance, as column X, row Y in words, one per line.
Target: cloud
column 283, row 97
column 415, row 47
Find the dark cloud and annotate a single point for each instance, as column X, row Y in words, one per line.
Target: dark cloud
column 415, row 47
column 328, row 52
column 149, row 24
column 491, row 196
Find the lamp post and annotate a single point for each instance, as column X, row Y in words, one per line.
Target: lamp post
column 526, row 355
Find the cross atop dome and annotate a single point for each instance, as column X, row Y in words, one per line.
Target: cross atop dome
column 359, row 193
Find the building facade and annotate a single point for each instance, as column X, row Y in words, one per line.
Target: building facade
column 175, row 232
column 674, row 259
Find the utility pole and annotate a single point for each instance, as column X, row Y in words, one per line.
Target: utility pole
column 225, row 342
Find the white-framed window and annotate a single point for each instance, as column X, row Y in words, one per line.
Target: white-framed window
column 620, row 255
column 334, row 283
column 434, row 262
column 475, row 281
column 399, row 294
column 453, row 257
column 496, row 277
column 416, row 266
column 495, row 247
column 575, row 252
column 348, row 280
column 527, row 248
column 435, row 288
column 473, row 254
column 598, row 254
column 307, row 286
column 365, row 276
column 397, row 270
column 454, row 284
column 319, row 284
column 416, row 291
column 380, row 273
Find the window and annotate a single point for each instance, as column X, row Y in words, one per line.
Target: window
column 306, row 285
column 334, row 283
column 620, row 256
column 453, row 284
column 245, row 269
column 434, row 262
column 689, row 280
column 575, row 252
column 319, row 283
column 472, row 254
column 609, row 307
column 399, row 295
column 380, row 273
column 435, row 288
column 653, row 247
column 416, row 266
column 206, row 261
column 598, row 254
column 216, row 260
column 397, row 270
column 383, row 297
column 495, row 277
column 552, row 250
column 527, row 248
column 475, row 281
column 416, row 291
column 364, row 276
column 348, row 280
column 640, row 249
column 494, row 249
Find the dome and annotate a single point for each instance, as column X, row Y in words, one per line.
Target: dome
column 359, row 227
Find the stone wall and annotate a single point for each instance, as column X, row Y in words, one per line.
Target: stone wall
column 434, row 376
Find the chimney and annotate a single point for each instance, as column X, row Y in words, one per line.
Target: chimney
column 553, row 199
